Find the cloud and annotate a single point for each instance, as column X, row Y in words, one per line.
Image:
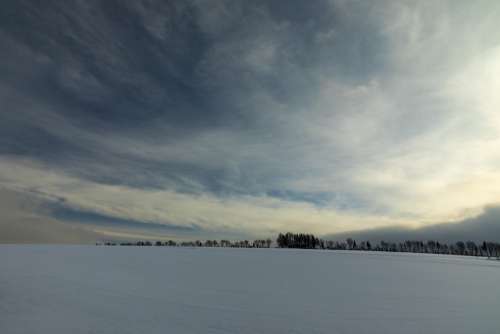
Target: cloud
column 483, row 227
column 24, row 221
column 68, row 198
column 253, row 117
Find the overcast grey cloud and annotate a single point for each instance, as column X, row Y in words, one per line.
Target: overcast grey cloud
column 23, row 222
column 245, row 118
column 483, row 227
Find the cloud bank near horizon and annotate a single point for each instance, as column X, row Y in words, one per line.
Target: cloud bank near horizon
column 243, row 119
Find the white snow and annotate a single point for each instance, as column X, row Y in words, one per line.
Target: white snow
column 90, row 289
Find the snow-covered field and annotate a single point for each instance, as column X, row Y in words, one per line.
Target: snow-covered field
column 89, row 289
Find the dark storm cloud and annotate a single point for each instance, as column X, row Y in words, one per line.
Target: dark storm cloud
column 79, row 73
column 485, row 226
column 102, row 64
column 69, row 214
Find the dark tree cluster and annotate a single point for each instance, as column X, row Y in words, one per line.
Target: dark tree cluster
column 297, row 240
column 469, row 248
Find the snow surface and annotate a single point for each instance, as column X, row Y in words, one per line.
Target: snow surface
column 90, row 289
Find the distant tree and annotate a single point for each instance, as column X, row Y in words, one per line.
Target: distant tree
column 281, row 241
column 225, row 243
column 460, row 247
column 268, row 243
column 431, row 246
column 471, row 248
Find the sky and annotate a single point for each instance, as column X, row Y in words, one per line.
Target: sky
column 242, row 119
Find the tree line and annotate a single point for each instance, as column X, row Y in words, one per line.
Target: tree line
column 259, row 243
column 309, row 241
